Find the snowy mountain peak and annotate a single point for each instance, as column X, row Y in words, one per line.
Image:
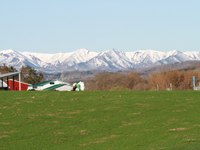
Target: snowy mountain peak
column 83, row 55
column 112, row 51
column 8, row 51
column 82, row 50
column 174, row 52
column 83, row 59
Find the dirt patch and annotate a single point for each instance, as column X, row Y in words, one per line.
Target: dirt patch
column 90, row 120
column 8, row 132
column 134, row 135
column 188, row 99
column 190, row 140
column 178, row 129
column 116, row 101
column 157, row 148
column 142, row 105
column 75, row 112
column 60, row 140
column 50, row 114
column 84, row 144
column 64, row 117
column 6, row 107
column 3, row 136
column 61, row 110
column 92, row 109
column 139, row 113
column 100, row 140
column 197, row 125
column 74, row 99
column 185, row 123
column 55, row 122
column 178, row 105
column 105, row 138
column 179, row 110
column 84, row 132
column 130, row 123
column 17, row 103
column 4, row 123
column 109, row 108
column 31, row 101
column 59, row 133
column 35, row 115
column 168, row 123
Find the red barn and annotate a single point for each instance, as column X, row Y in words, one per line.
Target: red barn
column 23, row 85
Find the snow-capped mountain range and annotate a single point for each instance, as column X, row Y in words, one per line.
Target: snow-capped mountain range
column 84, row 59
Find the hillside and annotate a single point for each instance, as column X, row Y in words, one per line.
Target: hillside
column 187, row 65
column 73, row 76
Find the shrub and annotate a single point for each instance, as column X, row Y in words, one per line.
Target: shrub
column 153, row 88
column 119, row 88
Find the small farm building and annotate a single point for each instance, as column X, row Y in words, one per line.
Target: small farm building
column 51, row 85
column 11, row 74
column 16, row 83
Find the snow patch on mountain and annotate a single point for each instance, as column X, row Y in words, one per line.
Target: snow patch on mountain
column 193, row 54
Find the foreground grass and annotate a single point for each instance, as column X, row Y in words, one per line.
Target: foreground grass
column 99, row 120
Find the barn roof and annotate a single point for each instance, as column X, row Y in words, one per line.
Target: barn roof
column 9, row 74
column 12, row 74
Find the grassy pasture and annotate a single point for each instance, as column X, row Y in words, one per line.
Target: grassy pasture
column 99, row 120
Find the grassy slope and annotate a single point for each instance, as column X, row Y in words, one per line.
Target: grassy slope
column 99, row 120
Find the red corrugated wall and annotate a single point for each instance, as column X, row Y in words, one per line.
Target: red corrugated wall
column 23, row 85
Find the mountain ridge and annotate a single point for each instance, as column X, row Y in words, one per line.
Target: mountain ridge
column 83, row 59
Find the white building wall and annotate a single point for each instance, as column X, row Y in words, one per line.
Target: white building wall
column 4, row 84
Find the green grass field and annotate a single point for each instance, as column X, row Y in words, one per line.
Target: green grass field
column 99, row 120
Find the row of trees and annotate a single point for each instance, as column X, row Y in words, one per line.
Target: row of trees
column 29, row 75
column 110, row 81
column 5, row 69
column 180, row 80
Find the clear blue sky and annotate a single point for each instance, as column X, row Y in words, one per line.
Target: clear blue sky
column 52, row 26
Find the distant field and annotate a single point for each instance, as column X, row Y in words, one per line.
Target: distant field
column 99, row 120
